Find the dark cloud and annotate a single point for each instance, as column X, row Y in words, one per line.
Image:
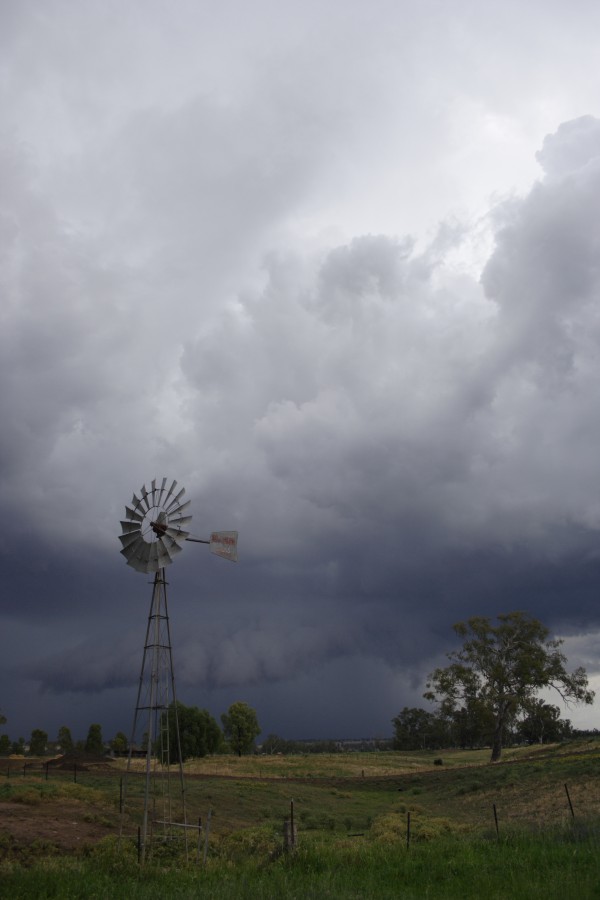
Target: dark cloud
column 186, row 292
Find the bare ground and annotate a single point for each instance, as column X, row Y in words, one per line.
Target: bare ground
column 66, row 825
column 31, row 821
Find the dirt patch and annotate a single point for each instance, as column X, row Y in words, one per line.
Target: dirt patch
column 66, row 825
column 75, row 762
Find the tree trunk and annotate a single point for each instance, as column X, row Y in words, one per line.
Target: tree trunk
column 498, row 729
column 497, row 745
column 497, row 740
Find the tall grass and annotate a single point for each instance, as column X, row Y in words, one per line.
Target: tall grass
column 557, row 864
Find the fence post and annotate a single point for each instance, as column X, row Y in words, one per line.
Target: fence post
column 496, row 821
column 199, row 838
column 292, row 824
column 570, row 804
column 290, row 832
column 206, row 837
column 407, row 830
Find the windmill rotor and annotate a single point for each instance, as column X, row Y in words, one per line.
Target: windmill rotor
column 154, row 527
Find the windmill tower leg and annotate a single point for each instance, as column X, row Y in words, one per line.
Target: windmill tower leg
column 156, row 726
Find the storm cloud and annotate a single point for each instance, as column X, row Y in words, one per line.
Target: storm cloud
column 359, row 323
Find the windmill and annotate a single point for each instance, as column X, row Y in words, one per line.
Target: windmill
column 154, row 528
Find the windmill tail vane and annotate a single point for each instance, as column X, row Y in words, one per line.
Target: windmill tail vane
column 221, row 543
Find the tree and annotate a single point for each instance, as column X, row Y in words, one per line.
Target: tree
column 273, row 744
column 503, row 667
column 4, row 739
column 199, row 732
column 119, row 743
column 241, row 727
column 38, row 742
column 94, row 742
column 64, row 739
column 542, row 723
column 472, row 724
column 418, row 729
column 18, row 747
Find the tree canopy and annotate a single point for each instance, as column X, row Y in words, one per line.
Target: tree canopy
column 94, row 742
column 65, row 739
column 418, row 729
column 199, row 732
column 241, row 727
column 499, row 670
column 38, row 742
column 119, row 743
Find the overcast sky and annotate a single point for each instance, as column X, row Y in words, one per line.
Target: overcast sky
column 335, row 267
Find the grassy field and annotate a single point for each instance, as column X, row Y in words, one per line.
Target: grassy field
column 353, row 813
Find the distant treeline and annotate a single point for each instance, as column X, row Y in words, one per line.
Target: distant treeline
column 274, row 744
column 472, row 726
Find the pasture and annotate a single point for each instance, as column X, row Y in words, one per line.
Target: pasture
column 378, row 824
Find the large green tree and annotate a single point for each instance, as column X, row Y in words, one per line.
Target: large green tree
column 94, row 742
column 199, row 732
column 418, row 729
column 38, row 742
column 65, row 739
column 241, row 727
column 119, row 744
column 502, row 667
column 542, row 723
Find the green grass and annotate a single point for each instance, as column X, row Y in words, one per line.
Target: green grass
column 352, row 829
column 559, row 864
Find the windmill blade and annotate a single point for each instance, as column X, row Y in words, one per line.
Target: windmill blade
column 139, row 565
column 175, row 500
column 169, row 542
column 180, row 520
column 177, row 534
column 130, row 526
column 169, row 493
column 137, row 504
column 145, row 502
column 134, row 516
column 161, row 491
column 153, row 565
column 131, row 552
column 128, row 540
column 142, row 555
column 164, row 557
column 175, row 511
